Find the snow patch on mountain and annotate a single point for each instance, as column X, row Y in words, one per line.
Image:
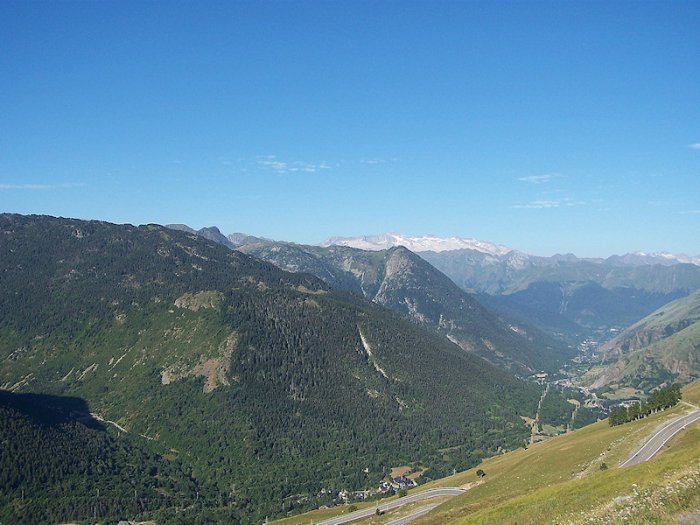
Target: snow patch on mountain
column 422, row 243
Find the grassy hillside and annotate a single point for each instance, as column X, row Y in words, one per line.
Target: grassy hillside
column 664, row 322
column 561, row 480
column 266, row 385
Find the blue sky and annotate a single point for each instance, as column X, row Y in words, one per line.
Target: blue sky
column 547, row 127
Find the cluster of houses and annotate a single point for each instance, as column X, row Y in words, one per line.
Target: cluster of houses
column 386, row 488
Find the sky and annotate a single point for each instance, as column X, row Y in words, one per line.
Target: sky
column 549, row 127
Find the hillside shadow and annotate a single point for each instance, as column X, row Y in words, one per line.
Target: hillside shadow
column 50, row 410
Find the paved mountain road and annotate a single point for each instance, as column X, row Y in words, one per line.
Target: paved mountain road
column 418, row 496
column 662, row 435
column 413, row 515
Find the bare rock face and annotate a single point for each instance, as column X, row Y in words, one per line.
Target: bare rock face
column 214, row 369
column 205, row 300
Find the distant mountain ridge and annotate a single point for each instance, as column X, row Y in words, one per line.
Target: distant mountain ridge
column 422, row 243
column 662, row 347
column 569, row 296
column 433, row 243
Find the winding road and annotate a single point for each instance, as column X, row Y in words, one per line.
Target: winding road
column 418, row 496
column 414, row 515
column 662, row 435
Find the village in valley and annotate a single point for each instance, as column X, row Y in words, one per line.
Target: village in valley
column 401, row 479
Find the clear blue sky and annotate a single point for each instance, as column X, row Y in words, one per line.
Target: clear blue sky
column 548, row 127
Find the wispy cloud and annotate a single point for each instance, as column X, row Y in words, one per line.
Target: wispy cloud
column 25, row 186
column 539, row 179
column 537, row 205
column 694, row 146
column 373, row 162
column 542, row 204
column 690, row 212
column 14, row 186
column 279, row 166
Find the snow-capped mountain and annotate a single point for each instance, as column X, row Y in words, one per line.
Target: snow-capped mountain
column 432, row 243
column 423, row 243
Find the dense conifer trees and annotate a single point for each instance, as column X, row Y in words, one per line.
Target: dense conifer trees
column 660, row 399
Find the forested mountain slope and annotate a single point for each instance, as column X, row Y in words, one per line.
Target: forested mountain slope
column 267, row 384
column 402, row 281
column 57, row 464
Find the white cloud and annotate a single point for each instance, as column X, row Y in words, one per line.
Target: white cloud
column 694, row 146
column 275, row 165
column 542, row 204
column 539, row 179
column 375, row 161
column 690, row 212
column 272, row 163
column 25, row 186
column 537, row 205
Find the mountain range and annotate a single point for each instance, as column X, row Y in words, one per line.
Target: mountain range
column 432, row 243
column 570, row 297
column 417, row 243
column 266, row 386
column 251, row 376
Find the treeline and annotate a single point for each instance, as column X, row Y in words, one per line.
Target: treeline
column 660, row 399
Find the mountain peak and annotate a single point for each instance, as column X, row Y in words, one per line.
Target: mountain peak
column 420, row 243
